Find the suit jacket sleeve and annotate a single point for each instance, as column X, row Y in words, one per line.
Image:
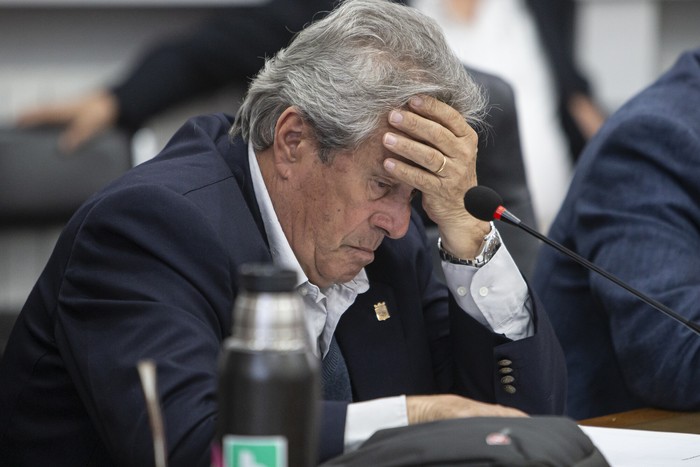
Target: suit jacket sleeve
column 474, row 360
column 529, row 374
column 144, row 283
column 637, row 217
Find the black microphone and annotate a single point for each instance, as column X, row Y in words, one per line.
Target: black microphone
column 485, row 204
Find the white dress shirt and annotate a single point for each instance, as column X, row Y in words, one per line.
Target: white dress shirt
column 494, row 294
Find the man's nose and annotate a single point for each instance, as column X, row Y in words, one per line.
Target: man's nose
column 393, row 218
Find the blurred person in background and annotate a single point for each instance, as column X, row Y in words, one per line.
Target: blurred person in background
column 228, row 49
column 634, row 210
column 530, row 43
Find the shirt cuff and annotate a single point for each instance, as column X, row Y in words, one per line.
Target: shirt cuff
column 365, row 418
column 494, row 294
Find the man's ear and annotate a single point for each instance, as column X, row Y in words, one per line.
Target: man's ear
column 291, row 140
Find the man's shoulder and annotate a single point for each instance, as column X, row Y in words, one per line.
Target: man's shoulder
column 196, row 167
column 200, row 154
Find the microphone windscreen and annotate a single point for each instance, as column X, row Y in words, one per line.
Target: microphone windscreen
column 482, row 202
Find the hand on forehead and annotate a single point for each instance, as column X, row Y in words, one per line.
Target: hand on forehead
column 434, row 150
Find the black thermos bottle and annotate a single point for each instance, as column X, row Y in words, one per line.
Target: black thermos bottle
column 269, row 384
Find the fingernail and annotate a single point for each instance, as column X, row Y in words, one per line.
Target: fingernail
column 395, row 117
column 389, row 165
column 389, row 139
column 416, row 101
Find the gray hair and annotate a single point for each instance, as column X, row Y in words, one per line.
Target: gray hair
column 344, row 73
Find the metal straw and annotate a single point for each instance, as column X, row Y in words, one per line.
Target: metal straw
column 147, row 373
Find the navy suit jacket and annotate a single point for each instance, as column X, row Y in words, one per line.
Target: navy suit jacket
column 147, row 269
column 634, row 209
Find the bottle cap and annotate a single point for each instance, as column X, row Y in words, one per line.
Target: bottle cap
column 266, row 277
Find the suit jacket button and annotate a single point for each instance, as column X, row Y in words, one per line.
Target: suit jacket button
column 510, row 389
column 505, row 371
column 507, row 379
column 504, row 362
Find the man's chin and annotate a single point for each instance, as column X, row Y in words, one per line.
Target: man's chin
column 360, row 257
column 343, row 268
column 346, row 275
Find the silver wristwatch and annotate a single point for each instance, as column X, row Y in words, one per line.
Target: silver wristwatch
column 489, row 247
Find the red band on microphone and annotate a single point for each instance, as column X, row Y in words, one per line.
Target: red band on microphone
column 499, row 211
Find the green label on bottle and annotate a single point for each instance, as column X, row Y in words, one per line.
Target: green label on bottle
column 254, row 451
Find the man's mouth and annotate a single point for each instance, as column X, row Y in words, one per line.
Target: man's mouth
column 365, row 254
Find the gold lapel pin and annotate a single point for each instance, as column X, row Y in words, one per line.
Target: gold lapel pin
column 381, row 311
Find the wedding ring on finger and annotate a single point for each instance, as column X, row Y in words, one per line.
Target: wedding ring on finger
column 444, row 162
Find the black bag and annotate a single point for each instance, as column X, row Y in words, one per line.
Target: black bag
column 479, row 441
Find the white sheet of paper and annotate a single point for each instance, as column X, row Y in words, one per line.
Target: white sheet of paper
column 640, row 448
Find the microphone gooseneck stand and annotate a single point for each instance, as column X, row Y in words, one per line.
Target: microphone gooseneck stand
column 485, row 204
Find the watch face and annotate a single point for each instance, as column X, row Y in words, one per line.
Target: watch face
column 489, row 247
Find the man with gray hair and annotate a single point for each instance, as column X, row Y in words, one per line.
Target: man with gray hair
column 336, row 134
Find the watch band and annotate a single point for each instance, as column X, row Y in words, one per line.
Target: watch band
column 489, row 246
